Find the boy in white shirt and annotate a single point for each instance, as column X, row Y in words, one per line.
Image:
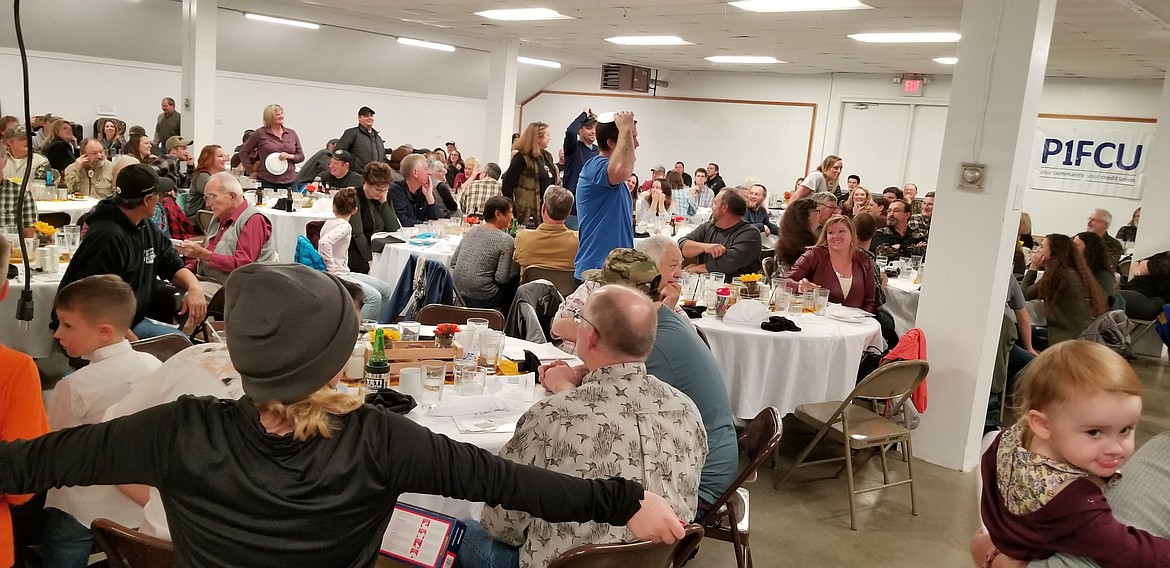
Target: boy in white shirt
column 94, row 313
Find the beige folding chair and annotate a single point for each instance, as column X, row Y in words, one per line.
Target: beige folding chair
column 163, row 347
column 639, row 554
column 561, row 278
column 203, row 219
column 859, row 428
column 727, row 519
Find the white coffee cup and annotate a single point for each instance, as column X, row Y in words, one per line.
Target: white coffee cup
column 42, row 259
column 410, row 381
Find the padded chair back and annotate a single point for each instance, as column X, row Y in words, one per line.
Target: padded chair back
column 57, row 219
column 203, row 219
column 313, row 231
column 163, row 347
column 561, row 278
column 435, row 314
column 128, row 548
column 640, row 554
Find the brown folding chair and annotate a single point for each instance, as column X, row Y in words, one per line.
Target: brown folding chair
column 162, row 347
column 128, row 548
column 727, row 519
column 57, row 219
column 561, row 278
column 435, row 314
column 640, row 554
column 203, row 219
column 859, row 428
column 202, row 332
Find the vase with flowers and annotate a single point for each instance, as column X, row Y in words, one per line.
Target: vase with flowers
column 751, row 285
column 445, row 334
column 46, row 233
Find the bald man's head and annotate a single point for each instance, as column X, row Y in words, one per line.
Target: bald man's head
column 625, row 320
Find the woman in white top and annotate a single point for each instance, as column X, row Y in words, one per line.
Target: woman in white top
column 654, row 205
column 334, row 248
column 824, row 179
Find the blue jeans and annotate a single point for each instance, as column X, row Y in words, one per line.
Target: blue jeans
column 377, row 293
column 150, row 328
column 480, row 550
column 67, row 542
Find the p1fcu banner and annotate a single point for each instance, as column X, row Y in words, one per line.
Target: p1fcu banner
column 1091, row 156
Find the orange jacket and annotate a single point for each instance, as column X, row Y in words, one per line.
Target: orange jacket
column 22, row 416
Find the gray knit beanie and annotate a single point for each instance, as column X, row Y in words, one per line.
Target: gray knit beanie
column 290, row 329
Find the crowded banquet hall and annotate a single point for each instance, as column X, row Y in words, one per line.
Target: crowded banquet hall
column 525, row 284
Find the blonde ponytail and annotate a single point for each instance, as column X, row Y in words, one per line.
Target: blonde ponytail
column 313, row 415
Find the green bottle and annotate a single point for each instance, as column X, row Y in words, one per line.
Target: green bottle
column 377, row 368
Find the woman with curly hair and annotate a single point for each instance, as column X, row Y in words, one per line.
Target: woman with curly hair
column 1072, row 297
column 796, row 235
column 1092, row 248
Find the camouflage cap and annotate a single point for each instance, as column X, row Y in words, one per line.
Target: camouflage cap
column 627, row 266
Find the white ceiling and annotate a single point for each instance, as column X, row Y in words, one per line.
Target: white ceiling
column 1127, row 39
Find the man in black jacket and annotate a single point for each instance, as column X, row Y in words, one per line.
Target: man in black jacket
column 122, row 240
column 363, row 141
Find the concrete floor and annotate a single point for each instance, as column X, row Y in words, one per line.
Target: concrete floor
column 806, row 522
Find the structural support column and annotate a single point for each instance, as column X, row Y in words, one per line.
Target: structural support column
column 1154, row 236
column 198, row 97
column 500, row 120
column 991, row 121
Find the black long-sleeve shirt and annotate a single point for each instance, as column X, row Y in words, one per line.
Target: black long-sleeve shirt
column 238, row 496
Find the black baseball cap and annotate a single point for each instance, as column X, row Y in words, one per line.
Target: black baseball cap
column 137, row 181
column 365, row 111
column 343, row 156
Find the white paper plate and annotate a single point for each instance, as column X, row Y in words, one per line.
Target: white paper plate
column 275, row 164
column 850, row 318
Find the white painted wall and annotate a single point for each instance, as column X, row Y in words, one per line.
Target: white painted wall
column 723, row 142
column 73, row 87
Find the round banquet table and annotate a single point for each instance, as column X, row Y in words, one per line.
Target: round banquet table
column 37, row 340
column 786, row 369
column 74, row 207
column 287, row 226
column 388, row 264
column 902, row 303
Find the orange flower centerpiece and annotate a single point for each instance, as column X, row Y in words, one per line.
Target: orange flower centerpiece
column 445, row 334
column 751, row 285
column 45, row 232
column 471, row 220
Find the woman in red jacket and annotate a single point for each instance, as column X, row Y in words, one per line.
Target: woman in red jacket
column 837, row 264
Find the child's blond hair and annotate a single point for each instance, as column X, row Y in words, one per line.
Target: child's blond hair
column 1070, row 370
column 100, row 299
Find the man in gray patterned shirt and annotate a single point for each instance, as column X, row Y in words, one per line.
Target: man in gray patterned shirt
column 619, row 422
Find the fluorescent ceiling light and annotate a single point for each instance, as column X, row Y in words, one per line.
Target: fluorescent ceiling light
column 946, row 60
column 523, row 14
column 742, row 59
column 426, row 44
column 541, row 62
column 916, row 37
column 648, row 40
column 798, row 5
column 272, row 20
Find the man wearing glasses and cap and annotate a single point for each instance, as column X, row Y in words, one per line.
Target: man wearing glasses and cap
column 363, row 141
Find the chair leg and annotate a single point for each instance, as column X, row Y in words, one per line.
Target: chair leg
column 747, row 549
column 737, row 544
column 885, row 467
column 800, row 458
column 909, row 455
column 849, row 479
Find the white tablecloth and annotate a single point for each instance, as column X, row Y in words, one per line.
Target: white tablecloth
column 492, row 442
column 786, row 369
column 37, row 340
column 388, row 264
column 902, row 303
column 286, row 227
column 74, row 207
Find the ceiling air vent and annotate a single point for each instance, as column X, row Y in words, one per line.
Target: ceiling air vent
column 622, row 77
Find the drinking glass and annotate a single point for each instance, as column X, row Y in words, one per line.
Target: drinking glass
column 410, row 330
column 821, row 297
column 795, row 304
column 915, row 261
column 469, row 379
column 433, row 373
column 491, row 348
column 475, row 327
column 708, row 285
column 881, row 262
column 781, row 301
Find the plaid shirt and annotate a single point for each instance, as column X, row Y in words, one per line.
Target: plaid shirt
column 919, row 224
column 474, row 194
column 9, row 192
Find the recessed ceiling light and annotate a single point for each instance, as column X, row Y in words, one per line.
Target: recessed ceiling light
column 541, row 62
column 798, row 5
column 946, row 60
column 915, row 37
column 523, row 14
column 272, row 20
column 742, row 59
column 648, row 40
column 426, row 44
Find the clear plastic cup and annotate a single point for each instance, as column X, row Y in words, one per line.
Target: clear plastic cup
column 433, row 373
column 410, row 330
column 821, row 297
column 491, row 348
column 469, row 379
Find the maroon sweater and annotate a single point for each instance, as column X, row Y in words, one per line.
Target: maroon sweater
column 815, row 265
column 1076, row 521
